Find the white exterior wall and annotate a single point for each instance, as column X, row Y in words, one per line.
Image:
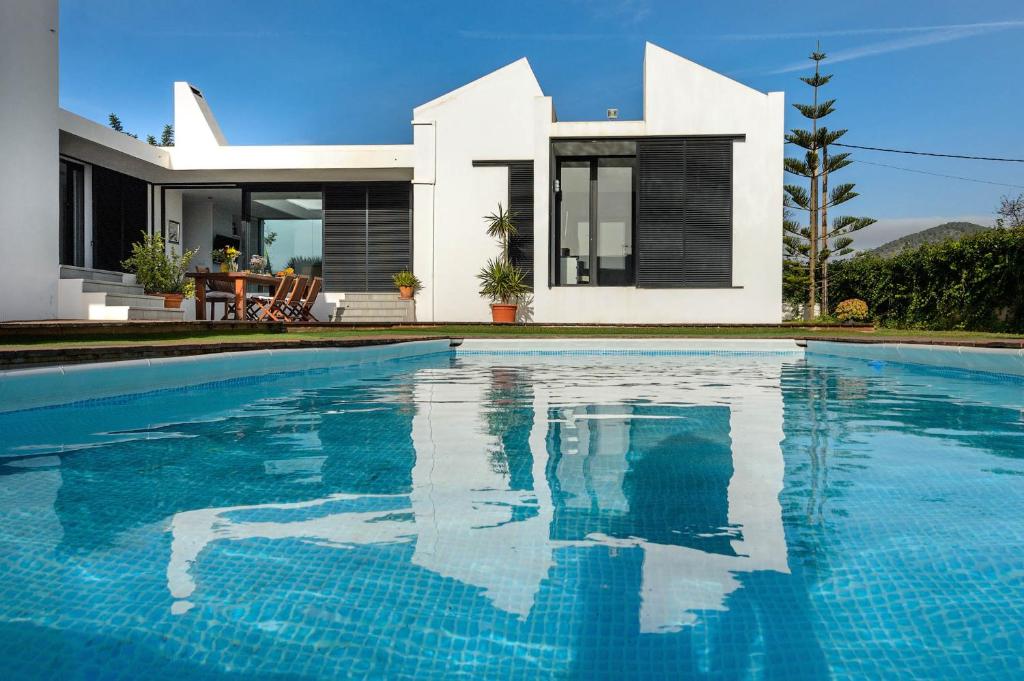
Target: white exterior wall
column 488, row 119
column 29, row 170
column 504, row 116
column 683, row 98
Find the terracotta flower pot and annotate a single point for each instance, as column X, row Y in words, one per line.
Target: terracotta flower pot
column 405, row 292
column 172, row 300
column 503, row 314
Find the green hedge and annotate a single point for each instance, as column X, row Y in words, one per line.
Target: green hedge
column 975, row 283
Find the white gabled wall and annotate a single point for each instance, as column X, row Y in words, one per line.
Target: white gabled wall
column 488, row 119
column 505, row 116
column 684, row 98
column 29, row 171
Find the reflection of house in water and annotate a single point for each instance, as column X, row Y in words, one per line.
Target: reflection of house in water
column 684, row 496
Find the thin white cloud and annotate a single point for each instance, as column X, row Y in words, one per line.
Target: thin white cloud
column 539, row 37
column 889, row 30
column 921, row 39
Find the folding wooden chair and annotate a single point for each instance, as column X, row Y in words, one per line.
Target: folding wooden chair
column 287, row 306
column 260, row 308
column 303, row 311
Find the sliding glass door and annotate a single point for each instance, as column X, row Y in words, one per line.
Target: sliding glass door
column 595, row 221
column 72, row 214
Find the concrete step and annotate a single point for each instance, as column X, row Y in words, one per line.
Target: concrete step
column 116, row 288
column 156, row 314
column 394, row 306
column 71, row 272
column 367, row 297
column 131, row 300
column 369, row 320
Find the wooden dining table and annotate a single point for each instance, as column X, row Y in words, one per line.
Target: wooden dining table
column 240, row 280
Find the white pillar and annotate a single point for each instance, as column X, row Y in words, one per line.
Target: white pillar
column 29, row 171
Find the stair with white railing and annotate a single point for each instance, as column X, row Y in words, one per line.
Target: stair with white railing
column 92, row 294
column 374, row 308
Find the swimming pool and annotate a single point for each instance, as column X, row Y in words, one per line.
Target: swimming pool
column 512, row 513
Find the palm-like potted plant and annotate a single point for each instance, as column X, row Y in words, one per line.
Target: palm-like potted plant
column 501, row 281
column 160, row 273
column 407, row 284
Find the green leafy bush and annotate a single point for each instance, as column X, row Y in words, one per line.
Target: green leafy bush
column 975, row 283
column 852, row 310
column 502, row 282
column 406, row 278
column 158, row 272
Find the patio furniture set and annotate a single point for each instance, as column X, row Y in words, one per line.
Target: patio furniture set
column 291, row 300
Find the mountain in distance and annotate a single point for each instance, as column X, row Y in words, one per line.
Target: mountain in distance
column 932, row 235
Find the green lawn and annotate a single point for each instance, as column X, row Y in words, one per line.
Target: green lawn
column 486, row 331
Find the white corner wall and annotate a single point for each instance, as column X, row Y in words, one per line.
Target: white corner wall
column 684, row 98
column 29, row 170
column 488, row 119
column 505, row 116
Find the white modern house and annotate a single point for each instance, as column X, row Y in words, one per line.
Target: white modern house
column 670, row 219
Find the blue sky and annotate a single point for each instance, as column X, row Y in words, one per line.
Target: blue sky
column 933, row 75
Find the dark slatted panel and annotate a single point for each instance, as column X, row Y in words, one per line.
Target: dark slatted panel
column 684, row 213
column 390, row 233
column 520, row 197
column 367, row 235
column 345, row 237
column 661, row 175
column 707, row 247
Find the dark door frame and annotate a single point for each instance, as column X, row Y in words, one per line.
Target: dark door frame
column 594, row 162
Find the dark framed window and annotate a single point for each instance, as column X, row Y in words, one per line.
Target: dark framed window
column 72, row 214
column 595, row 204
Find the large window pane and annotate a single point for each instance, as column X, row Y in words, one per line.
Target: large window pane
column 574, row 237
column 615, row 221
column 290, row 227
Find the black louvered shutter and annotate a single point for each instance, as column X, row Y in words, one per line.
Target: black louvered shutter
column 367, row 235
column 389, row 232
column 684, row 213
column 345, row 237
column 520, row 197
column 707, row 247
column 661, row 171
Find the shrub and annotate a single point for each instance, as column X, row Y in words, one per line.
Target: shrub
column 852, row 310
column 158, row 272
column 406, row 278
column 502, row 282
column 973, row 283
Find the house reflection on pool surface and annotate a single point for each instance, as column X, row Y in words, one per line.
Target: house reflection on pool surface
column 519, row 470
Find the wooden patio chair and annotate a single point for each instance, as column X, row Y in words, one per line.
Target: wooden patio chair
column 303, row 310
column 294, row 298
column 262, row 308
column 218, row 292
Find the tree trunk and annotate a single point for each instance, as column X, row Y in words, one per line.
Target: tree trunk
column 824, row 228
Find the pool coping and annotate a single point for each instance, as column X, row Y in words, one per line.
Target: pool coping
column 25, row 358
column 59, row 385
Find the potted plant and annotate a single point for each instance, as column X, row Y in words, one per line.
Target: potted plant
column 505, row 285
column 227, row 258
column 501, row 281
column 160, row 273
column 407, row 284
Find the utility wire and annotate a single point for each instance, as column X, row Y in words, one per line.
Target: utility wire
column 950, row 177
column 928, row 153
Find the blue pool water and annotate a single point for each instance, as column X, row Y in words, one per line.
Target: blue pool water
column 523, row 517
